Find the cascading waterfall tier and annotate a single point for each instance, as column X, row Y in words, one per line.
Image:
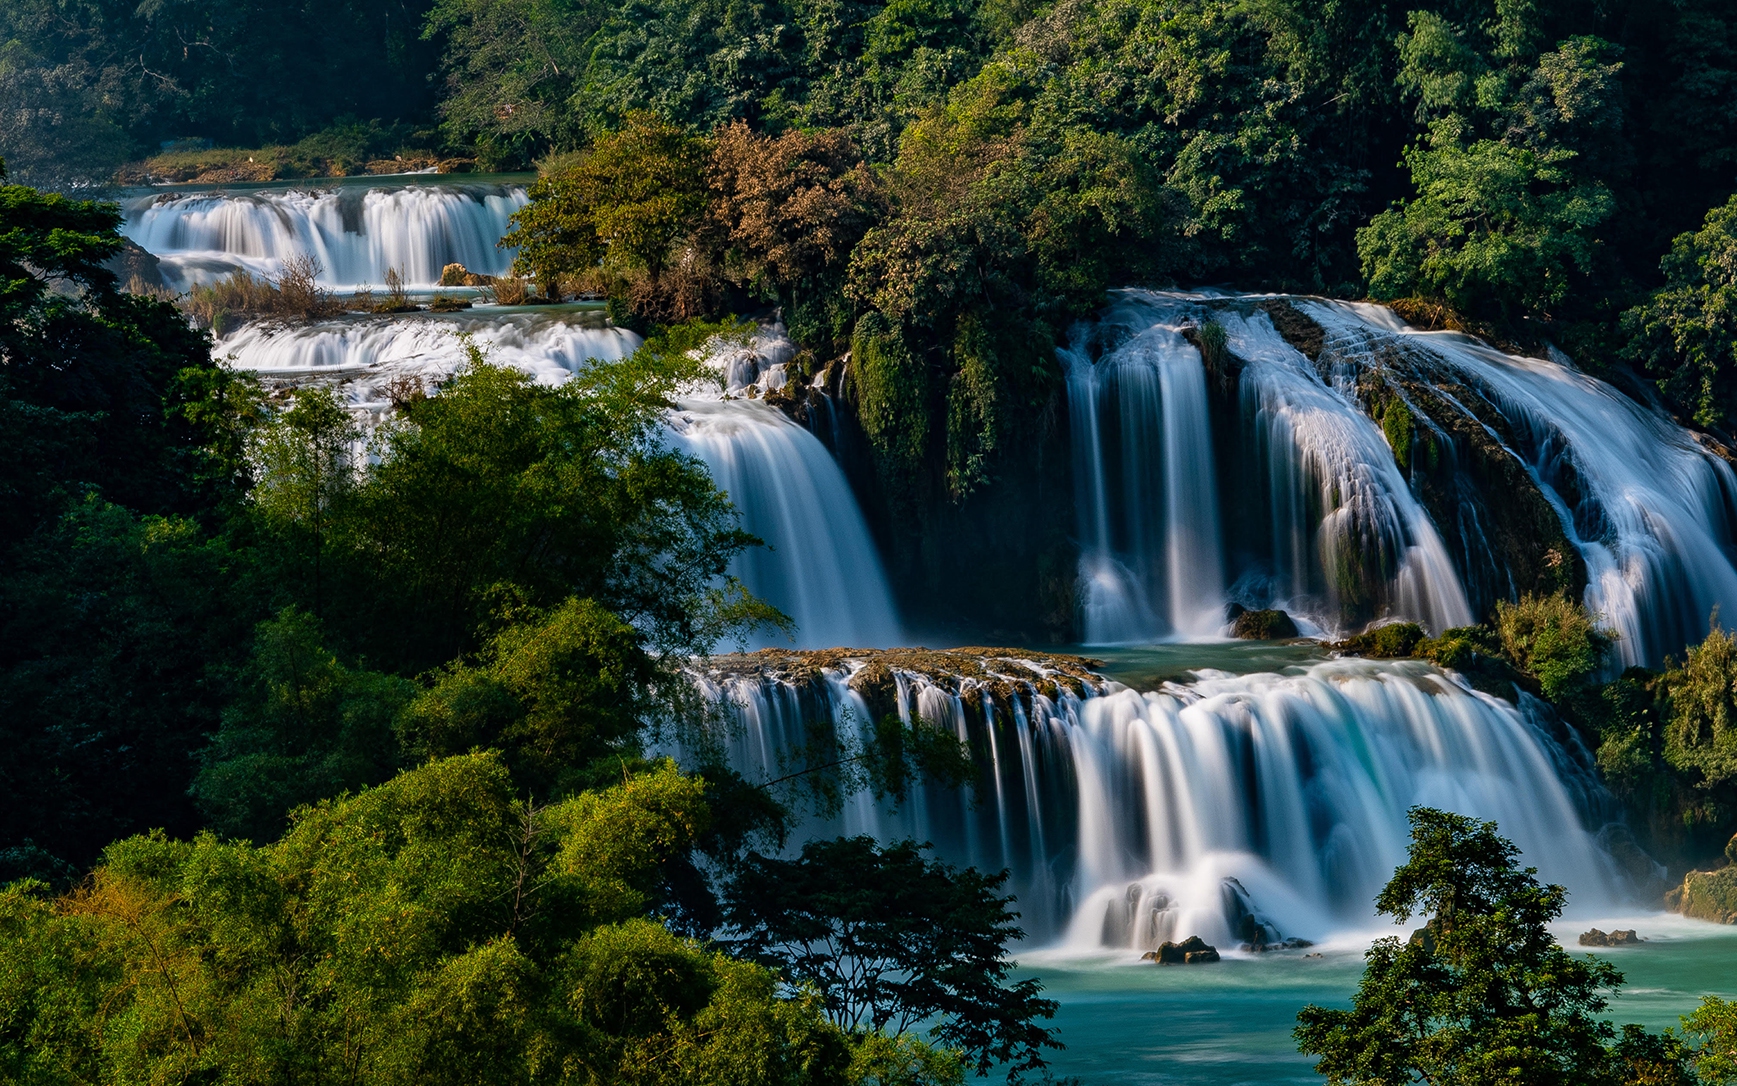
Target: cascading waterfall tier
column 1244, row 809
column 1349, row 541
column 1651, row 511
column 819, row 565
column 1144, row 489
column 356, row 233
column 363, row 355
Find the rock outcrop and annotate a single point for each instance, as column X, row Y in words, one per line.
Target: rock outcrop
column 1610, row 938
column 1709, row 895
column 1264, row 625
column 1191, row 951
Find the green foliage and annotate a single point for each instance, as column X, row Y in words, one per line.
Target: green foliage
column 1700, row 738
column 625, row 206
column 1714, row 1025
column 93, row 83
column 307, row 728
column 1481, row 994
column 306, row 472
column 891, row 939
column 1513, row 179
column 433, row 929
column 553, row 692
column 1555, row 640
column 1685, row 334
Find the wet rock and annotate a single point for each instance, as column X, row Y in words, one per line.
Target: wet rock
column 1264, row 625
column 1609, row 938
column 457, row 275
column 1260, row 944
column 1191, row 951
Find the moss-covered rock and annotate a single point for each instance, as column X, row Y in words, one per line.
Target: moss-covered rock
column 1264, row 625
column 1707, row 895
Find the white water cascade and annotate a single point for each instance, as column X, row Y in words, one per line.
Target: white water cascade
column 1652, row 512
column 1344, row 522
column 1146, row 500
column 819, row 565
column 362, row 352
column 1238, row 808
column 1348, row 537
column 356, row 233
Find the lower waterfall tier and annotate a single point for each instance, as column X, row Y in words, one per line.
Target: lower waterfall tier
column 1241, row 808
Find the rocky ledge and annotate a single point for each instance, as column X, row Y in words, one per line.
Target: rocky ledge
column 1610, row 938
column 1709, row 895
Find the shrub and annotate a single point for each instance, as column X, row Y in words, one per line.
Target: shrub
column 1701, row 731
column 1555, row 640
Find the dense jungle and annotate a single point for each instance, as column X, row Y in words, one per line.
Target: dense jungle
column 409, row 731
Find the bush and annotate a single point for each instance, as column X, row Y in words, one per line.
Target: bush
column 295, row 293
column 1701, row 731
column 1555, row 640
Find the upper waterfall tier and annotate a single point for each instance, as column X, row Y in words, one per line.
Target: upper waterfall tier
column 356, row 233
column 1650, row 510
column 365, row 354
column 1330, row 461
column 1238, row 808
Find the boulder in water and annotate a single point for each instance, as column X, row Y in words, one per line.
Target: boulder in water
column 1609, row 938
column 457, row 275
column 1265, row 625
column 1191, row 951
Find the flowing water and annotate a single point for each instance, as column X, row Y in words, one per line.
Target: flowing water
column 1239, row 807
column 356, row 229
column 1651, row 511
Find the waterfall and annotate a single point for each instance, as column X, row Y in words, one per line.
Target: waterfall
column 355, row 233
column 1650, row 510
column 1350, row 543
column 1218, row 807
column 362, row 352
column 819, row 565
column 1145, row 495
column 1349, row 538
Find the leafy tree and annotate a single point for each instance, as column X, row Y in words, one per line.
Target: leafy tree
column 890, row 940
column 790, row 210
column 1482, row 993
column 1685, row 334
column 510, row 68
column 1512, row 181
column 1700, row 735
column 1555, row 640
column 1714, row 1025
column 307, row 728
column 118, row 611
column 431, row 930
column 554, row 692
column 306, row 470
column 498, row 493
column 626, row 207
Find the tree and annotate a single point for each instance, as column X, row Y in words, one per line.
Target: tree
column 1482, row 993
column 625, row 207
column 430, row 930
column 890, row 940
column 1513, row 180
column 1685, row 334
column 306, row 467
column 306, row 728
column 497, row 495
